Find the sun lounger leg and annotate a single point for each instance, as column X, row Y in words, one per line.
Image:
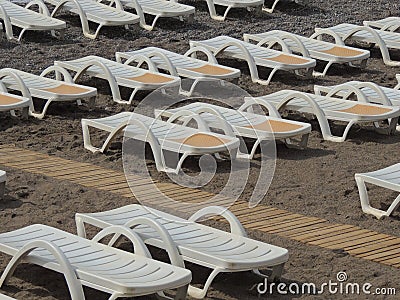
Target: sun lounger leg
column 275, row 275
column 21, row 34
column 251, row 154
column 323, row 73
column 391, row 129
column 213, row 12
column 74, row 285
column 201, row 293
column 192, row 87
column 41, row 115
column 87, row 143
column 256, row 79
column 7, row 24
column 362, row 64
column 162, row 167
column 130, row 98
column 300, row 145
column 270, row 10
column 365, row 205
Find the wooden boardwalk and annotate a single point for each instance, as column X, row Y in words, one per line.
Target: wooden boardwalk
column 358, row 242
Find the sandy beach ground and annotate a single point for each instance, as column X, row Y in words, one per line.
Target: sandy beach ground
column 317, row 181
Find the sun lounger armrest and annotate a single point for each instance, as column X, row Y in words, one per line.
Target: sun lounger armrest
column 42, row 7
column 347, row 89
column 321, row 31
column 249, row 102
column 271, row 41
column 18, row 81
column 236, row 227
column 139, row 246
column 391, row 26
column 141, row 58
column 7, row 21
column 223, row 123
column 58, row 70
column 398, row 82
column 186, row 116
column 249, row 58
column 169, row 245
column 210, row 56
column 73, row 282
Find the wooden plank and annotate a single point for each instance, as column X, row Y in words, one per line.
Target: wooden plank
column 374, row 251
column 360, row 239
column 287, row 224
column 333, row 230
column 337, row 237
column 376, row 247
column 308, row 224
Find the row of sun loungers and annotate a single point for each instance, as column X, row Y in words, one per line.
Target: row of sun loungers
column 379, row 32
column 89, row 263
column 105, row 15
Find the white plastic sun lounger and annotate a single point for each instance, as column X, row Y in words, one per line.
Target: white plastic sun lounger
column 4, row 297
column 181, row 65
column 386, row 24
column 329, row 108
column 89, row 263
column 92, row 11
column 349, row 32
column 257, row 56
column 388, row 178
column 218, row 250
column 247, row 124
column 229, row 4
column 51, row 90
column 308, row 47
column 161, row 136
column 14, row 15
column 159, row 9
column 10, row 102
column 118, row 74
column 373, row 93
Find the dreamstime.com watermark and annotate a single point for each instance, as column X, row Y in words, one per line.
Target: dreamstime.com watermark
column 340, row 286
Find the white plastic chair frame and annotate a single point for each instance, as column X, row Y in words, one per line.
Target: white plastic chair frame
column 83, row 16
column 42, row 9
column 150, row 138
column 346, row 90
column 140, row 59
column 141, row 13
column 270, row 9
column 23, row 106
column 388, row 25
column 377, row 40
column 274, row 40
column 384, row 178
column 236, row 228
column 112, row 81
column 323, row 118
column 74, row 283
column 21, row 86
column 224, row 125
column 251, row 63
column 213, row 12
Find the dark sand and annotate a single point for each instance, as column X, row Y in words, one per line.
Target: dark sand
column 318, row 181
